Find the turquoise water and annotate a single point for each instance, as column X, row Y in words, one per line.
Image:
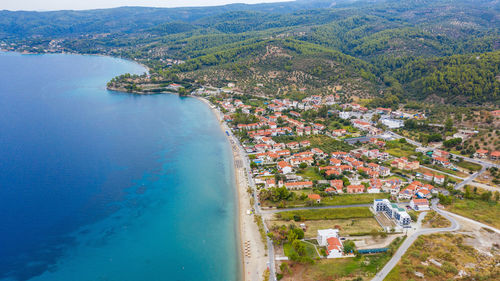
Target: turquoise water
column 97, row 185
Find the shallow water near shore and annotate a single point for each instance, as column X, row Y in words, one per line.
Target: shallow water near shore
column 97, row 185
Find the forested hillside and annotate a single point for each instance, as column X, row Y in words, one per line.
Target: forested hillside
column 440, row 51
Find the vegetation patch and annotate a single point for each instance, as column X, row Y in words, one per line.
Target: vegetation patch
column 326, row 214
column 443, row 257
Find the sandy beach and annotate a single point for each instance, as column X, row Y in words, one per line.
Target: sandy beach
column 252, row 251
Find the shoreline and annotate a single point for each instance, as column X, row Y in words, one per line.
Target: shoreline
column 147, row 69
column 253, row 256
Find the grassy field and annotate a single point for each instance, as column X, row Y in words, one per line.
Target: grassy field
column 310, row 250
column 310, row 173
column 354, row 226
column 443, row 169
column 322, row 142
column 326, row 214
column 469, row 166
column 348, row 199
column 435, row 220
column 365, row 267
column 335, row 200
column 398, row 152
column 482, row 211
column 451, row 252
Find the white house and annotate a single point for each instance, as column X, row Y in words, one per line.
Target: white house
column 330, row 239
column 324, row 234
column 420, row 204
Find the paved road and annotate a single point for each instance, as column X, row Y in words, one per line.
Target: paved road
column 410, row 239
column 470, row 179
column 477, row 161
column 274, row 211
column 472, row 221
column 441, row 172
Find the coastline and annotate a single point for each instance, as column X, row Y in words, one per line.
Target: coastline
column 75, row 53
column 252, row 253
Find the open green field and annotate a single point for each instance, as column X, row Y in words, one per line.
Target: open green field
column 482, row 211
column 348, row 199
column 310, row 250
column 469, row 166
column 310, row 173
column 335, row 200
column 353, row 226
column 398, row 152
column 326, row 214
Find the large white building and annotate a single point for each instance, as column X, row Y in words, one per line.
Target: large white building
column 392, row 211
column 393, row 123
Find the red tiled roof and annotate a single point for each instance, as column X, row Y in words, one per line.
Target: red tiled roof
column 314, row 196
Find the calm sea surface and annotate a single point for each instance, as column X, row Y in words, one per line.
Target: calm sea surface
column 97, row 185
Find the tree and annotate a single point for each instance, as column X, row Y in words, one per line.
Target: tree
column 448, row 125
column 303, row 165
column 486, row 196
column 183, row 92
column 349, row 246
column 299, row 232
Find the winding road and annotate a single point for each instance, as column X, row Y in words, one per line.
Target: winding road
column 410, row 239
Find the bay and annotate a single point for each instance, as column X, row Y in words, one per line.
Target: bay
column 99, row 185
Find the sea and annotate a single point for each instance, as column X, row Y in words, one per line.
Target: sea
column 102, row 185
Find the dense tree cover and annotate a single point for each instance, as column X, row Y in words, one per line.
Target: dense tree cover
column 459, row 78
column 398, row 49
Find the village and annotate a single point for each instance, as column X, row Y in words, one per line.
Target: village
column 333, row 180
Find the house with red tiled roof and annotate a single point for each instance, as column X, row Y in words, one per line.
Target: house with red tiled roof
column 298, row 185
column 495, row 155
column 481, row 153
column 305, row 143
column 285, row 167
column 293, row 145
column 333, row 172
column 334, row 248
column 355, row 188
column 300, row 160
column 439, row 179
column 314, row 197
column 335, row 162
column 419, row 204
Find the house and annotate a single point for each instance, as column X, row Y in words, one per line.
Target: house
column 318, row 152
column 293, row 145
column 305, row 143
column 441, row 161
column 284, row 167
column 495, row 155
column 403, row 164
column 337, row 185
column 324, row 234
column 481, row 153
column 424, row 193
column 334, row 248
column 439, row 179
column 270, row 183
column 298, row 185
column 314, row 197
column 428, row 176
column 297, row 161
column 355, row 188
column 384, row 171
column 335, row 162
column 441, row 153
column 332, row 172
column 419, row 204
